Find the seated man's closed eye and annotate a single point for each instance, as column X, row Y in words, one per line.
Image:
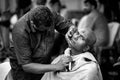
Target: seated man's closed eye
column 81, row 38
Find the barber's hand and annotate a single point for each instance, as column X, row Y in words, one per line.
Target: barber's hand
column 63, row 63
column 70, row 33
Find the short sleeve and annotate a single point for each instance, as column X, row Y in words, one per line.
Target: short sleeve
column 22, row 48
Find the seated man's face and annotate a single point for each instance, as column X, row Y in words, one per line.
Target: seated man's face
column 78, row 40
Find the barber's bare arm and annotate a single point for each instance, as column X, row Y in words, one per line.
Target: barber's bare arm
column 42, row 68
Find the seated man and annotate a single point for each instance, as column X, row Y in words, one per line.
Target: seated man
column 84, row 66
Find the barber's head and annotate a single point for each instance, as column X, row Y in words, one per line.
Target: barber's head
column 41, row 17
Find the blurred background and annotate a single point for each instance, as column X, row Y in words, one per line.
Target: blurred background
column 12, row 10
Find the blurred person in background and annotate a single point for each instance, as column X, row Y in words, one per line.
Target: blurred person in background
column 4, row 33
column 36, row 3
column 7, row 9
column 97, row 22
column 33, row 39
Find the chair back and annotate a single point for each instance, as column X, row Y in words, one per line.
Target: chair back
column 4, row 69
column 113, row 29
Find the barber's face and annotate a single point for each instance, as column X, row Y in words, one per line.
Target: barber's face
column 40, row 27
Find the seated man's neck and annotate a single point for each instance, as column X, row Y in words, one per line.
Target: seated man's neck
column 75, row 52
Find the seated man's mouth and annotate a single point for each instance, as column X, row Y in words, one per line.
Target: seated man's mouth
column 70, row 40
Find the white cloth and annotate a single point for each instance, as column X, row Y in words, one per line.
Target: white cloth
column 4, row 69
column 85, row 67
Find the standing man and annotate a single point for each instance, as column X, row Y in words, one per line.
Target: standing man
column 98, row 23
column 33, row 39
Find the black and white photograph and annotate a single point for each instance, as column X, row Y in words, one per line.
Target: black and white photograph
column 59, row 39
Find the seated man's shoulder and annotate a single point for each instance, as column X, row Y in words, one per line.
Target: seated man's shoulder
column 92, row 68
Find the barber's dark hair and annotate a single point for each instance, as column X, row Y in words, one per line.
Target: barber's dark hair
column 41, row 16
column 41, row 2
column 93, row 2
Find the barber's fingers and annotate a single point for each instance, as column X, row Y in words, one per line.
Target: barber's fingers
column 67, row 52
column 66, row 59
column 63, row 63
column 70, row 32
column 60, row 67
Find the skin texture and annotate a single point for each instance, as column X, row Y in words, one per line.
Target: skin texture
column 81, row 40
column 97, row 22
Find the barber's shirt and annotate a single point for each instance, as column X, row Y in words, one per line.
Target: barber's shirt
column 31, row 46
